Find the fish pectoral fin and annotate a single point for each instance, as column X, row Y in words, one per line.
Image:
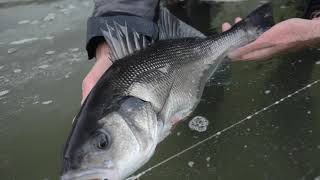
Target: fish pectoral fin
column 170, row 27
column 122, row 40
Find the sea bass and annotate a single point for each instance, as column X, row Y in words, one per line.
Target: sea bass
column 146, row 92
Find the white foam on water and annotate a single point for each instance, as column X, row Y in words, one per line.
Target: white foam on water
column 47, row 102
column 12, row 50
column 45, row 66
column 267, row 91
column 208, row 158
column 50, row 17
column 24, row 22
column 22, row 41
column 2, row 93
column 191, row 164
column 199, row 124
column 17, row 70
column 50, row 52
column 48, row 37
column 34, row 22
column 74, row 49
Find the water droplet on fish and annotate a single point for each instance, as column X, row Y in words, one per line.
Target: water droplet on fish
column 199, row 124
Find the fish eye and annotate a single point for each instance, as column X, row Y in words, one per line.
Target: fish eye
column 102, row 140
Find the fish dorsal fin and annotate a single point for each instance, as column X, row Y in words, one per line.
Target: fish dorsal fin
column 121, row 42
column 170, row 27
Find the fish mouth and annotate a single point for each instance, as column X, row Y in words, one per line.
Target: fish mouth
column 93, row 174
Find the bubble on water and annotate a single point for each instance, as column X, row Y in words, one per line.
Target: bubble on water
column 2, row 93
column 12, row 50
column 67, row 29
column 178, row 133
column 47, row 102
column 318, row 63
column 17, row 70
column 1, row 67
column 249, row 117
column 199, row 124
column 218, row 133
column 190, row 164
column 245, row 146
column 208, row 165
column 308, row 112
column 24, row 22
column 317, row 178
column 267, row 91
column 50, row 52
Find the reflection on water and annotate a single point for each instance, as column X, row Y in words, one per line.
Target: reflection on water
column 44, row 95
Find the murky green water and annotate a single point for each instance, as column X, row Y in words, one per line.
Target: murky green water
column 43, row 79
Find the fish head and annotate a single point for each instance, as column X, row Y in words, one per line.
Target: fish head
column 114, row 146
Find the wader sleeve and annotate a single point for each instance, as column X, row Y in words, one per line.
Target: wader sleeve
column 138, row 15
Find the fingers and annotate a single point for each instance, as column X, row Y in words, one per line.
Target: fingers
column 226, row 26
column 98, row 69
column 259, row 54
column 238, row 19
column 254, row 50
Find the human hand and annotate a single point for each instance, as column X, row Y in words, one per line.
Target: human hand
column 102, row 64
column 288, row 35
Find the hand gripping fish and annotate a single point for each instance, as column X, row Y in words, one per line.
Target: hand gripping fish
column 146, row 91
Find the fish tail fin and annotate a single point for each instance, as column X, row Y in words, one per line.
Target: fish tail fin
column 259, row 20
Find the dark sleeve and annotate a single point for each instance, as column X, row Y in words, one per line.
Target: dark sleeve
column 138, row 15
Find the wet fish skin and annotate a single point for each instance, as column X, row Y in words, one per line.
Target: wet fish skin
column 138, row 100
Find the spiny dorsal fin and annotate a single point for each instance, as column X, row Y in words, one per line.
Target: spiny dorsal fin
column 170, row 27
column 121, row 42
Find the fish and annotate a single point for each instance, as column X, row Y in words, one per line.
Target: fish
column 149, row 89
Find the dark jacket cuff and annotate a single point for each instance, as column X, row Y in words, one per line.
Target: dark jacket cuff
column 95, row 24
